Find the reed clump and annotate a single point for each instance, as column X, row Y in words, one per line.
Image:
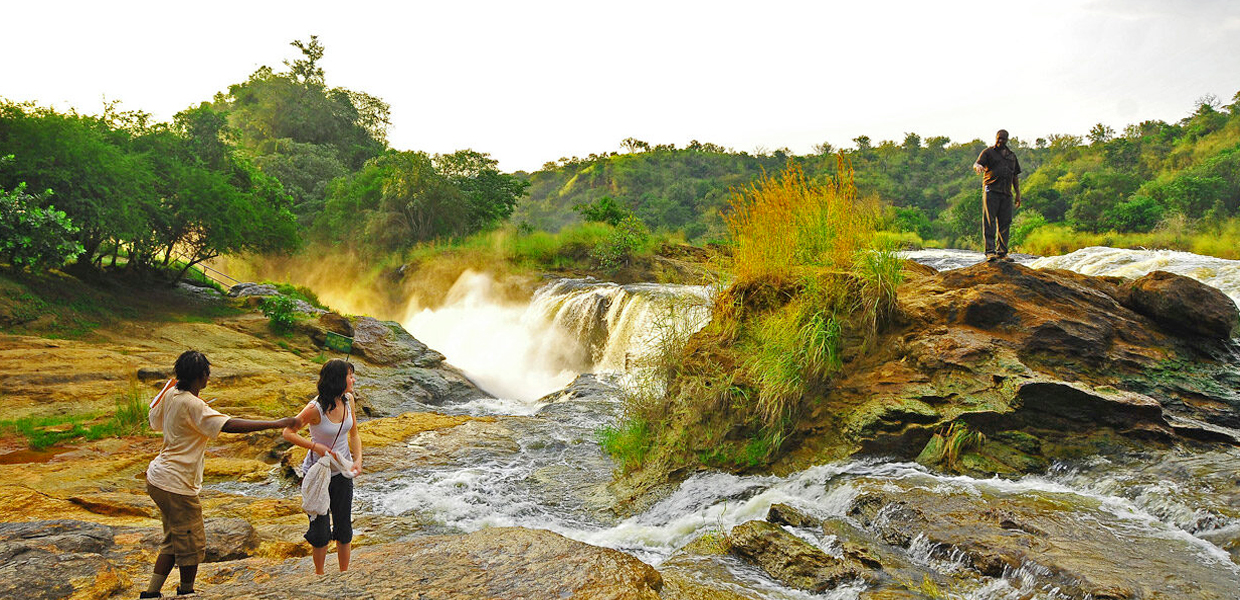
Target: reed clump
column 808, row 287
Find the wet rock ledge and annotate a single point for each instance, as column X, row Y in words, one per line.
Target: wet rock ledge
column 1044, row 364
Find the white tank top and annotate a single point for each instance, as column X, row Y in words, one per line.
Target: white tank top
column 323, row 434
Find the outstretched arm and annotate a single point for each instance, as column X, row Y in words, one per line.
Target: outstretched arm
column 247, row 426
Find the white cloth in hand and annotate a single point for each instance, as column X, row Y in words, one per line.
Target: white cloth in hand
column 314, row 497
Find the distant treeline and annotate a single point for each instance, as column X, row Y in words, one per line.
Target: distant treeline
column 282, row 159
column 1129, row 181
column 278, row 160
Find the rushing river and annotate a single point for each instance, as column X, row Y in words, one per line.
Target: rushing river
column 1152, row 517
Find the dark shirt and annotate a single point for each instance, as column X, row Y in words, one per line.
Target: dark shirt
column 1001, row 168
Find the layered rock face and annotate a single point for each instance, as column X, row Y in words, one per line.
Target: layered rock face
column 1042, row 362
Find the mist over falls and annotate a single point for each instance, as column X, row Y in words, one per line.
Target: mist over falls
column 523, row 351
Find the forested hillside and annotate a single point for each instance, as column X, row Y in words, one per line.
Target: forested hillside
column 1131, row 181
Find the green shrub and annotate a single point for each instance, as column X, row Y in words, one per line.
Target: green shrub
column 281, row 310
column 625, row 240
column 605, row 210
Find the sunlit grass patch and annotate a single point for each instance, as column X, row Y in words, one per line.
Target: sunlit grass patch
column 627, row 442
column 128, row 418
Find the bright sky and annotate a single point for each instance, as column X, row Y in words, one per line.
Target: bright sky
column 530, row 82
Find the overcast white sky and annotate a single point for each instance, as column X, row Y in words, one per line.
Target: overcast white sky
column 529, row 82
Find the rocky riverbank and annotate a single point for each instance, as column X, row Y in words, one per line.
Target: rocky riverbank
column 1037, row 366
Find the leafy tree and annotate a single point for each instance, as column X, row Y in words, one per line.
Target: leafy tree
column 490, row 194
column 306, row 69
column 305, row 170
column 148, row 190
column 32, row 235
column 1100, row 134
column 99, row 186
column 302, row 131
column 394, row 201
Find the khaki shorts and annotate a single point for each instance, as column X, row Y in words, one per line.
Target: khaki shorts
column 184, row 536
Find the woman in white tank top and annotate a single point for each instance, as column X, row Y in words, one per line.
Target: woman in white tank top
column 333, row 429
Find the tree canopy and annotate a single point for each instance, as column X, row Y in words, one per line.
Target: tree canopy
column 152, row 193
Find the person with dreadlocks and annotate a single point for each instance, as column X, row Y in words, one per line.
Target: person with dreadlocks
column 174, row 477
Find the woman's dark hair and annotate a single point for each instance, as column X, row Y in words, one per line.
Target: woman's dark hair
column 333, row 378
column 190, row 367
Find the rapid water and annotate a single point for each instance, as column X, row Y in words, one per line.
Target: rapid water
column 1099, row 260
column 1166, row 520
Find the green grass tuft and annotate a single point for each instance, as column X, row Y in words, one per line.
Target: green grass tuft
column 627, row 443
column 129, row 418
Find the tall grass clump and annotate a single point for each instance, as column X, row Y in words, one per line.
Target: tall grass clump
column 807, row 287
column 782, row 224
column 812, row 244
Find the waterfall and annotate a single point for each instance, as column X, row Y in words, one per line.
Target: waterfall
column 523, row 351
column 618, row 325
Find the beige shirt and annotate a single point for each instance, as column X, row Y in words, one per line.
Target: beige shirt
column 188, row 424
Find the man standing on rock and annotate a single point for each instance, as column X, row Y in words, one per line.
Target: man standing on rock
column 174, row 478
column 999, row 169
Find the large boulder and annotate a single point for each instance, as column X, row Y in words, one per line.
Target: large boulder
column 57, row 536
column 999, row 531
column 493, row 564
column 46, row 560
column 230, row 539
column 1184, row 304
column 1010, row 350
column 789, row 559
column 249, row 288
column 387, row 343
column 589, row 396
column 397, row 390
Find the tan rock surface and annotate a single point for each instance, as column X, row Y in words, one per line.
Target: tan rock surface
column 492, row 564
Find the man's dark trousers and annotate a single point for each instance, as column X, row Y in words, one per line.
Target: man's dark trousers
column 996, row 219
